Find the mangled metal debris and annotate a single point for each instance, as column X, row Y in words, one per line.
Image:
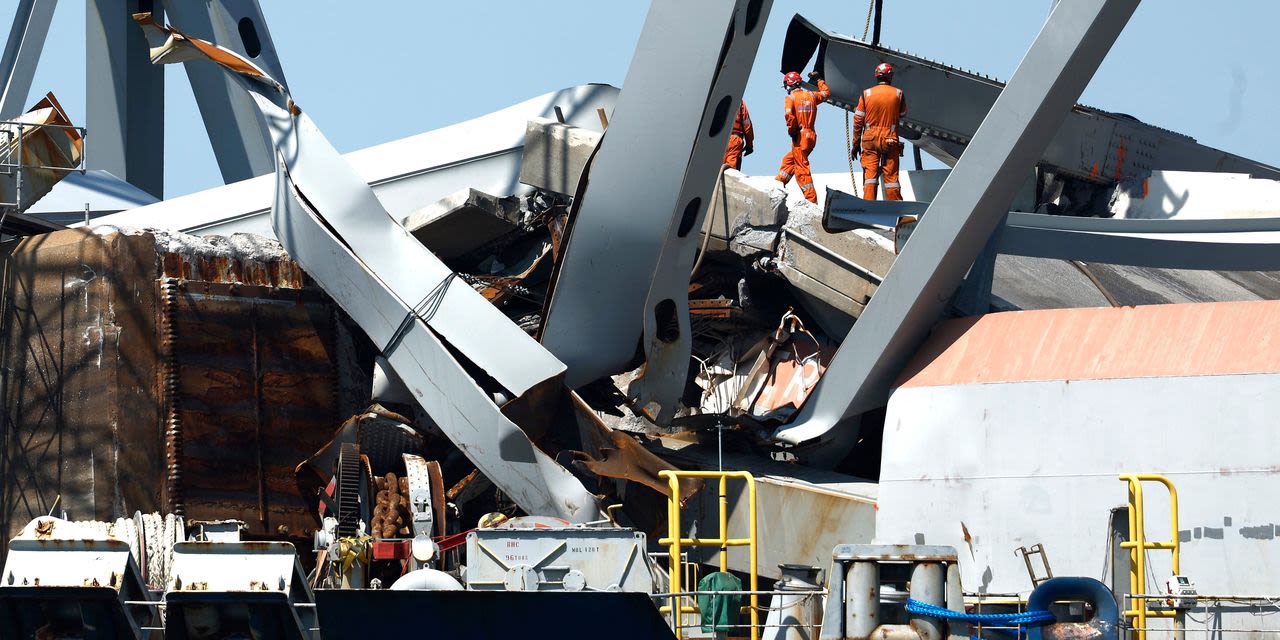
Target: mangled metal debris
column 449, row 227
column 37, row 149
column 332, row 223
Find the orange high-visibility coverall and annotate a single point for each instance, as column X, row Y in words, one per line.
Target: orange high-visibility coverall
column 742, row 138
column 875, row 124
column 801, row 111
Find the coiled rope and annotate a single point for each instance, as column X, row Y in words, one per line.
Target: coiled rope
column 934, row 611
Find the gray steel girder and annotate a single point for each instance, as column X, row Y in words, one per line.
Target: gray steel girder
column 406, row 300
column 974, row 199
column 651, row 179
column 124, row 95
column 240, row 142
column 667, row 356
column 1227, row 245
column 1234, row 244
column 948, row 104
column 22, row 54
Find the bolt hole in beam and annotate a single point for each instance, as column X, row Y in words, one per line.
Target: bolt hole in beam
column 753, row 15
column 720, row 117
column 249, row 37
column 664, row 315
column 689, row 217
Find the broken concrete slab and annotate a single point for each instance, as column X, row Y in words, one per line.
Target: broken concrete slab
column 835, row 273
column 463, row 221
column 743, row 201
column 555, row 154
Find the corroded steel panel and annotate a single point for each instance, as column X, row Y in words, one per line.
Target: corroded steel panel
column 255, row 394
column 166, row 374
column 80, row 363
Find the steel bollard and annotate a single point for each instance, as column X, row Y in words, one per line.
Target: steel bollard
column 862, row 599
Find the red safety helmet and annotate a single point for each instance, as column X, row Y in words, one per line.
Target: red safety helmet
column 884, row 71
column 791, row 80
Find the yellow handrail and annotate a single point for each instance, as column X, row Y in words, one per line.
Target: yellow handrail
column 674, row 541
column 1138, row 546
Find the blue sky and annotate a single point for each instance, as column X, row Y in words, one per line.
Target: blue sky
column 369, row 76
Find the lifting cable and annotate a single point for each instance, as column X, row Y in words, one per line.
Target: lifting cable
column 848, row 137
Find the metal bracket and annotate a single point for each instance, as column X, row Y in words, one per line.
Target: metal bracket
column 415, row 468
column 1026, row 553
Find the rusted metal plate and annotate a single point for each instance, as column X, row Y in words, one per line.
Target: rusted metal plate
column 79, row 386
column 41, row 146
column 128, row 390
column 613, row 454
column 255, row 394
column 794, row 371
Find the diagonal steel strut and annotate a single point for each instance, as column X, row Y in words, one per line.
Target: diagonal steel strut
column 22, row 54
column 625, row 270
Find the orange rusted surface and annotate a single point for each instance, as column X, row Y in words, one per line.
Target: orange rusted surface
column 794, row 372
column 613, row 454
column 1220, row 338
column 145, row 379
column 79, row 348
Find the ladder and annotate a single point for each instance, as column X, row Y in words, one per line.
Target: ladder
column 1138, row 545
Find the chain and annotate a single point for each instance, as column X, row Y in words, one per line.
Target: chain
column 848, row 137
column 848, row 146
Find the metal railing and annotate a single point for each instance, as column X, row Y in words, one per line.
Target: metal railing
column 11, row 156
column 674, row 542
column 754, row 626
column 1138, row 545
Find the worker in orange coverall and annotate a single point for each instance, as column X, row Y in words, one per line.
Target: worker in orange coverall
column 742, row 140
column 875, row 134
column 801, row 111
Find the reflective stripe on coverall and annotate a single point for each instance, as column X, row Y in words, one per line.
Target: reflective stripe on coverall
column 875, row 124
column 801, row 111
column 743, row 136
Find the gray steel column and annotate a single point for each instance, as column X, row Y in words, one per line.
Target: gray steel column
column 124, row 95
column 232, row 121
column 972, row 202
column 651, row 180
column 22, row 53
